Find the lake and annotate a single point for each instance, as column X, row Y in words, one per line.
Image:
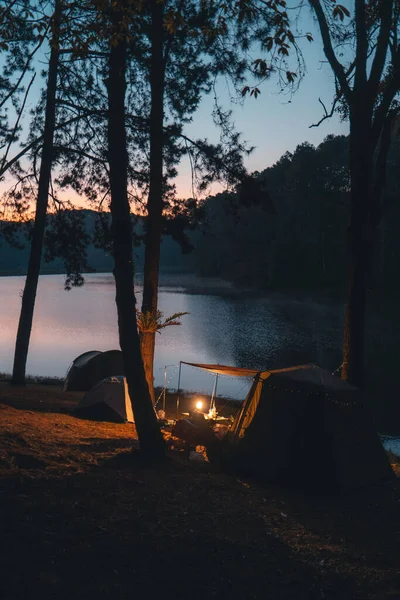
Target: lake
column 224, row 326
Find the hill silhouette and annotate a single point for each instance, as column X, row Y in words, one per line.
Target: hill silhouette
column 14, row 257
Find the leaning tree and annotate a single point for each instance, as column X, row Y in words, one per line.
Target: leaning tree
column 35, row 255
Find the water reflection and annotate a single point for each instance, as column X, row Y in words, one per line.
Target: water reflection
column 222, row 327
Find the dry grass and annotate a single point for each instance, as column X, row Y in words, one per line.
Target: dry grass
column 85, row 520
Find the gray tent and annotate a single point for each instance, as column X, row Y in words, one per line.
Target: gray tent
column 301, row 425
column 107, row 401
column 91, row 367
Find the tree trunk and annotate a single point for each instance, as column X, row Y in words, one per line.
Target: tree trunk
column 150, row 438
column 155, row 199
column 35, row 256
column 360, row 240
column 147, row 343
column 354, row 328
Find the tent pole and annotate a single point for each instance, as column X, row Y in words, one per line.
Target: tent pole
column 214, row 391
column 165, row 387
column 256, row 381
column 178, row 390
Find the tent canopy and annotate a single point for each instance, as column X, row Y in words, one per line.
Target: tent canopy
column 308, row 373
column 224, row 370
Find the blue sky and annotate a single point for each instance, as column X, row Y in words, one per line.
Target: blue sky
column 271, row 123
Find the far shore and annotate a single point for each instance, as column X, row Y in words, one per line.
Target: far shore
column 198, row 284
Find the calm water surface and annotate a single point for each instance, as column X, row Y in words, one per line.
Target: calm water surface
column 223, row 327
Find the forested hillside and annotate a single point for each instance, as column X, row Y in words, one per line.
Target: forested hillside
column 14, row 256
column 295, row 236
column 292, row 236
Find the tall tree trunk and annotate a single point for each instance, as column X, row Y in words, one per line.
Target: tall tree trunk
column 147, row 347
column 32, row 276
column 150, row 438
column 360, row 240
column 155, row 199
column 354, row 328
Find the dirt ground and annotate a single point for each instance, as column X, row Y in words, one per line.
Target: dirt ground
column 81, row 518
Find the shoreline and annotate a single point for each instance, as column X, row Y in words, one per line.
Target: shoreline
column 216, row 285
column 227, row 406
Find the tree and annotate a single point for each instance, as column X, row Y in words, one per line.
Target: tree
column 32, row 277
column 366, row 92
column 62, row 26
column 156, row 191
column 177, row 49
column 168, row 61
column 190, row 46
column 150, row 438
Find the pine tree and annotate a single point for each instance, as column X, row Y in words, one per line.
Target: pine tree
column 367, row 91
column 150, row 438
column 32, row 277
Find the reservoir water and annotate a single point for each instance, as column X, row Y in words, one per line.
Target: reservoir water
column 223, row 326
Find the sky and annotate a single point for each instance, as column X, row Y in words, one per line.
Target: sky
column 273, row 122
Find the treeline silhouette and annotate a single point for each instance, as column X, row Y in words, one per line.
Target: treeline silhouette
column 295, row 237
column 14, row 249
column 291, row 235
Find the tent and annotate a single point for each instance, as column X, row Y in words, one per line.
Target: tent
column 91, row 367
column 303, row 426
column 107, row 401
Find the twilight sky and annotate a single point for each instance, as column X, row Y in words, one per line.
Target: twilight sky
column 274, row 122
column 271, row 123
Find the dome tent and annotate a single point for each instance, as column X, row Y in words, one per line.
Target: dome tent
column 107, row 401
column 91, row 367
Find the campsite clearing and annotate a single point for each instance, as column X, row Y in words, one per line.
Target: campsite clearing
column 85, row 520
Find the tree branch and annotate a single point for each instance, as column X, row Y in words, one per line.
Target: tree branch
column 170, row 40
column 34, row 142
column 7, row 10
column 20, row 78
column 361, row 47
column 17, row 122
column 337, row 67
column 386, row 8
column 389, row 93
column 326, row 115
column 96, row 159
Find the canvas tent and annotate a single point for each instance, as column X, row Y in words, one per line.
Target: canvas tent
column 91, row 367
column 303, row 426
column 107, row 401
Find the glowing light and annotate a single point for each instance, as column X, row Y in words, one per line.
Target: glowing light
column 212, row 413
column 199, row 404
